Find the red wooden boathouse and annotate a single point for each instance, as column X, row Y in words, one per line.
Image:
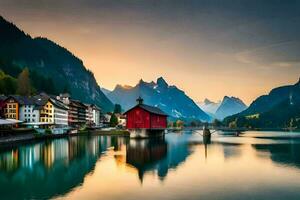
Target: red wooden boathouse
column 144, row 120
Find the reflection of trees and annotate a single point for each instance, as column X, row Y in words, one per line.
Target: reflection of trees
column 50, row 168
column 287, row 154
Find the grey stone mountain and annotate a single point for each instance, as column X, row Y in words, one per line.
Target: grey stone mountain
column 105, row 91
column 169, row 98
column 209, row 106
column 48, row 58
column 230, row 106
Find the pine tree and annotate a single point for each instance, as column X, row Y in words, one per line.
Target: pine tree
column 118, row 109
column 113, row 120
column 24, row 85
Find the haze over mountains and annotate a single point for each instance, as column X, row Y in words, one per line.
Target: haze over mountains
column 228, row 106
column 169, row 98
column 209, row 106
column 48, row 58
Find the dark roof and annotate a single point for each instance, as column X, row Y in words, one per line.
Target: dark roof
column 23, row 100
column 151, row 109
column 77, row 103
column 42, row 99
column 3, row 97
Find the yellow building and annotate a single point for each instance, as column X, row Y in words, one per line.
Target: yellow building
column 47, row 113
column 11, row 110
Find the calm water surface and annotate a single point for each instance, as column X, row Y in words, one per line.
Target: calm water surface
column 256, row 165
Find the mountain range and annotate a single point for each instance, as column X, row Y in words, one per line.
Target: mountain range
column 209, row 106
column 169, row 98
column 48, row 58
column 278, row 109
column 228, row 106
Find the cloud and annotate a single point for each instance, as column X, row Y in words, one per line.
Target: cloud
column 283, row 54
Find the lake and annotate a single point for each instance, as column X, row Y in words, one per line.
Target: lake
column 256, row 165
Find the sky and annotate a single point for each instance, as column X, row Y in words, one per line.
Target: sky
column 208, row 48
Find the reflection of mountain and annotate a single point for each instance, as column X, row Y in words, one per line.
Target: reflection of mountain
column 158, row 155
column 48, row 169
column 231, row 150
column 286, row 154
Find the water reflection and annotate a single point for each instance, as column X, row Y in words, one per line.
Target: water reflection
column 145, row 154
column 49, row 168
column 284, row 154
column 93, row 167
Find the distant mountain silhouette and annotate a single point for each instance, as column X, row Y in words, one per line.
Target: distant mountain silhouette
column 105, row 91
column 48, row 58
column 229, row 106
column 170, row 99
column 209, row 106
column 280, row 108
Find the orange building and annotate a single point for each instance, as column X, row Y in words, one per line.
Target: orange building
column 11, row 110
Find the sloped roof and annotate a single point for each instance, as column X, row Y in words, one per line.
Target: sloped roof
column 42, row 99
column 151, row 109
column 23, row 100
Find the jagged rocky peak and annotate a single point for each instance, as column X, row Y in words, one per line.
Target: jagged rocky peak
column 207, row 101
column 161, row 82
column 123, row 87
column 227, row 98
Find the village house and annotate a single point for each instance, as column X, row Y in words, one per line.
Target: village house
column 11, row 109
column 52, row 111
column 76, row 110
column 89, row 114
column 144, row 120
column 96, row 115
column 27, row 111
column 60, row 113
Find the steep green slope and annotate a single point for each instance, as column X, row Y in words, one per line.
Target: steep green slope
column 47, row 58
column 279, row 109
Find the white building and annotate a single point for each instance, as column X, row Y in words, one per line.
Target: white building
column 89, row 114
column 60, row 113
column 28, row 113
column 52, row 111
column 96, row 115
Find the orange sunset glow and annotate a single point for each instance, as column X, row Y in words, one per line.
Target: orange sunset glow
column 206, row 54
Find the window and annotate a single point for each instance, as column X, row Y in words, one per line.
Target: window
column 9, row 106
column 25, row 115
column 14, row 106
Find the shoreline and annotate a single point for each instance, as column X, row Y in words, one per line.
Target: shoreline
column 30, row 137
